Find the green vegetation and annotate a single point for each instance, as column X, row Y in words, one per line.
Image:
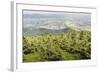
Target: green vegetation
column 72, row 45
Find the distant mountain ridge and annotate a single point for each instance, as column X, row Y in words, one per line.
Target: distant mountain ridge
column 41, row 31
column 54, row 27
column 77, row 26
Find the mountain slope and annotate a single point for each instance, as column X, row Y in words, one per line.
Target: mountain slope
column 54, row 27
column 40, row 31
column 77, row 26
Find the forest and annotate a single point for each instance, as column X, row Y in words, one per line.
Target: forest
column 72, row 45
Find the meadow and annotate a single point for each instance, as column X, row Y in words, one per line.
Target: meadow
column 72, row 45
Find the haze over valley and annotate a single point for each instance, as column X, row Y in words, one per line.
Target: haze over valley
column 42, row 22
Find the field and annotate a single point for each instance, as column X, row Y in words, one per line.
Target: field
column 72, row 45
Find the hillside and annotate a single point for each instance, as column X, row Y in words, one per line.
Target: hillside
column 53, row 27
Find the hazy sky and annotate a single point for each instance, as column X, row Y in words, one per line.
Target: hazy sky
column 35, row 17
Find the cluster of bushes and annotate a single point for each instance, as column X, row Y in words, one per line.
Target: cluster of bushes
column 74, row 45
